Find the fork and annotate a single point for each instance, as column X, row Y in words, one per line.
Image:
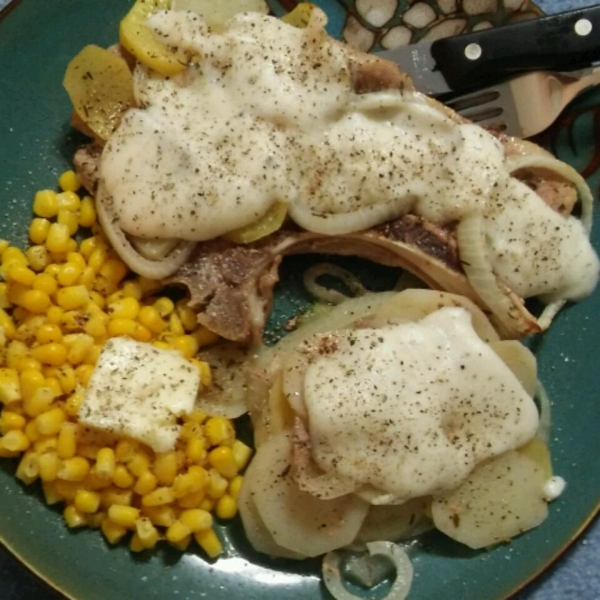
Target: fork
column 527, row 104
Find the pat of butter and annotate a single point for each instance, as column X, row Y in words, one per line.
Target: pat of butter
column 139, row 391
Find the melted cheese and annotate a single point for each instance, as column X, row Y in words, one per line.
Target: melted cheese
column 266, row 113
column 412, row 408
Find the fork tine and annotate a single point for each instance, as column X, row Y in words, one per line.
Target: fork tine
column 490, row 107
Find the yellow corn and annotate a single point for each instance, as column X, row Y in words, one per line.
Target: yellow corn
column 58, row 238
column 51, row 495
column 114, row 270
column 55, row 315
column 45, row 443
column 95, row 520
column 163, row 516
column 15, row 441
column 209, row 542
column 161, row 495
column 124, row 308
column 87, row 212
column 49, row 333
column 38, row 257
column 145, row 484
column 139, row 463
column 205, row 372
column 49, row 466
column 31, row 381
column 219, row 431
column 87, row 278
column 66, row 445
column 50, row 354
column 195, row 450
column 112, row 496
column 51, row 421
column 28, row 363
column 118, row 327
column 135, row 543
column 193, row 500
column 68, row 218
column 7, row 324
column 226, row 507
column 105, row 462
column 35, row 301
column 196, row 519
column 20, row 274
column 122, row 478
column 28, row 469
column 67, row 489
column 10, row 386
column 11, row 420
column 45, row 204
column 70, row 273
column 4, row 301
column 175, row 326
column 74, row 402
column 223, row 461
column 217, row 484
column 141, row 334
column 74, row 469
column 71, row 297
column 15, row 352
column 178, row 532
column 45, row 283
column 98, row 257
column 73, row 518
column 112, row 532
column 79, row 349
column 235, row 485
column 165, row 467
column 86, row 501
column 146, row 532
column 204, row 336
column 69, row 182
column 241, row 454
column 193, row 481
column 68, row 201
column 125, row 516
column 126, row 450
column 88, row 246
column 164, row 306
column 185, row 344
column 150, row 318
column 96, row 326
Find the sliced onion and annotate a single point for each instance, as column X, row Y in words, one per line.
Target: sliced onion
column 154, row 249
column 514, row 163
column 476, row 264
column 549, row 312
column 326, row 294
column 332, row 576
column 153, row 269
column 545, row 414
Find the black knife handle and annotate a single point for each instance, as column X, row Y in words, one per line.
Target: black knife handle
column 562, row 42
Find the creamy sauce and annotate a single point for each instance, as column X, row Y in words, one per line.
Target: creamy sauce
column 412, row 408
column 553, row 488
column 267, row 113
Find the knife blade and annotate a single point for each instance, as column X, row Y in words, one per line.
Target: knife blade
column 562, row 42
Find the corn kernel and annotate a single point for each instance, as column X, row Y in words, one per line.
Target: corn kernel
column 95, row 520
column 209, row 542
column 96, row 326
column 86, row 501
column 88, row 246
column 165, row 467
column 80, row 348
column 177, row 532
column 15, row 441
column 31, row 431
column 69, row 273
column 74, row 402
column 163, row 516
column 51, row 495
column 98, row 257
column 124, row 308
column 73, row 517
column 15, row 352
column 112, row 496
column 141, row 334
column 38, row 257
column 72, row 297
column 175, row 326
column 87, row 212
column 87, row 278
column 194, row 480
column 83, row 374
column 164, row 306
column 69, row 181
column 27, row 363
column 219, row 431
column 114, row 270
column 4, row 244
column 205, row 372
column 222, row 460
column 49, row 333
column 187, row 316
column 68, row 201
column 126, row 450
column 118, row 327
column 66, row 444
column 28, row 470
column 51, row 421
column 241, row 454
column 185, row 344
column 226, row 507
column 50, row 354
column 58, row 238
column 125, row 516
column 135, row 543
column 74, row 469
column 105, row 462
column 146, row 483
column 122, row 478
column 49, row 466
column 161, row 495
column 183, row 544
column 235, row 486
column 217, row 484
column 150, row 318
column 35, row 301
column 193, row 500
column 39, row 403
column 10, row 386
column 70, row 219
column 45, row 204
column 21, row 274
column 45, row 443
column 4, row 301
column 195, row 450
column 4, row 453
column 10, row 421
column 112, row 532
column 31, row 381
column 132, row 289
column 55, row 315
column 204, row 336
column 139, row 463
column 146, row 532
column 196, row 519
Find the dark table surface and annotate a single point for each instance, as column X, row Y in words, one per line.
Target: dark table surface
column 575, row 575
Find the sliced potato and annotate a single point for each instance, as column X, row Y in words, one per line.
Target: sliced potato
column 100, row 86
column 296, row 520
column 270, row 222
column 501, row 498
column 540, row 453
column 216, row 12
column 520, row 360
column 137, row 38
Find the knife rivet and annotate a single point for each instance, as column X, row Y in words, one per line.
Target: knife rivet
column 583, row 27
column 473, row 51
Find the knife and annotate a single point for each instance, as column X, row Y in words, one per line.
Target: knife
column 562, row 42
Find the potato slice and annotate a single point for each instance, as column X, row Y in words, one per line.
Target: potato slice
column 501, row 498
column 216, row 12
column 256, row 532
column 100, row 86
column 296, row 520
column 137, row 38
column 540, row 453
column 520, row 360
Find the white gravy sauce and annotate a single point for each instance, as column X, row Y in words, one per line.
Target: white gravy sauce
column 267, row 113
column 412, row 408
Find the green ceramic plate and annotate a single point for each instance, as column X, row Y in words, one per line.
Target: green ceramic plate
column 37, row 39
